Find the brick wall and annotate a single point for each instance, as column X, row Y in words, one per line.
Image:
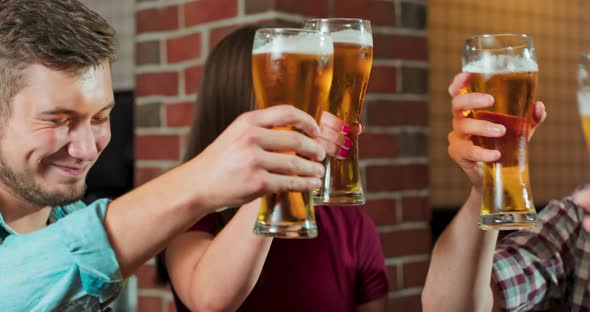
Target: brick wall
column 172, row 41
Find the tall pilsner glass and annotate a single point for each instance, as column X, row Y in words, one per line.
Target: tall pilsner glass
column 353, row 57
column 584, row 95
column 505, row 66
column 291, row 66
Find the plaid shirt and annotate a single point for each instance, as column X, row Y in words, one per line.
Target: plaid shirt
column 547, row 266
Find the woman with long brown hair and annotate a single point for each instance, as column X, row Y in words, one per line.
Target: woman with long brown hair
column 221, row 265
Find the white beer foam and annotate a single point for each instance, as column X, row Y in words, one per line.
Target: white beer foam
column 353, row 36
column 584, row 101
column 303, row 43
column 583, row 74
column 499, row 64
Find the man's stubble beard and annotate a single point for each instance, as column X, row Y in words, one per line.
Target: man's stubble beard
column 23, row 185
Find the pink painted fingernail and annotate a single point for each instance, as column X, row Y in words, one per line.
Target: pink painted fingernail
column 348, row 143
column 346, row 129
column 343, row 153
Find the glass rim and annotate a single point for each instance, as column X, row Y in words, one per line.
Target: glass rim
column 337, row 19
column 288, row 30
column 528, row 40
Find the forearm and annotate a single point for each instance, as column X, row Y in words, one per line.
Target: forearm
column 461, row 266
column 229, row 268
column 141, row 223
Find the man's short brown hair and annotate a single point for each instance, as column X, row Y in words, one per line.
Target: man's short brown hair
column 60, row 34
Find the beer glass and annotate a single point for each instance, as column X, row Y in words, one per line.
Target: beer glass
column 353, row 57
column 505, row 66
column 584, row 95
column 291, row 66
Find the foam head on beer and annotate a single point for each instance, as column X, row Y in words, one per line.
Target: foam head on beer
column 584, row 87
column 489, row 64
column 583, row 96
column 353, row 36
column 302, row 43
column 583, row 74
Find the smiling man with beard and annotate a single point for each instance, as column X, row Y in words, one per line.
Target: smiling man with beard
column 55, row 99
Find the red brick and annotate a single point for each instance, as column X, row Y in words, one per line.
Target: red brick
column 150, row 304
column 409, row 303
column 157, row 19
column 376, row 145
column 157, row 84
column 143, row 175
column 183, row 48
column 147, row 52
column 405, row 47
column 157, row 147
column 415, row 209
column 180, row 114
column 316, row 8
column 172, row 306
column 396, row 177
column 382, row 211
column 259, row 6
column 148, row 115
column 392, row 277
column 414, row 273
column 192, row 79
column 406, row 242
column 397, row 113
column 203, row 11
column 219, row 33
column 383, row 80
column 146, row 278
column 379, row 12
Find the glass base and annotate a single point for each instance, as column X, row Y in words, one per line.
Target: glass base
column 290, row 230
column 342, row 199
column 508, row 221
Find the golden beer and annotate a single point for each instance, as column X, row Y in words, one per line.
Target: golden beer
column 584, row 108
column 300, row 79
column 294, row 70
column 584, row 95
column 353, row 57
column 507, row 198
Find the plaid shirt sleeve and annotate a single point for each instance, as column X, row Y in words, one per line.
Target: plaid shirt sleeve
column 531, row 266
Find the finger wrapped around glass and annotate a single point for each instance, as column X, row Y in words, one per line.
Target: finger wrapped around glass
column 353, row 57
column 584, row 95
column 291, row 66
column 505, row 66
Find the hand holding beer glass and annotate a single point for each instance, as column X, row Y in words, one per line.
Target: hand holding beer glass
column 584, row 95
column 353, row 57
column 505, row 66
column 291, row 66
